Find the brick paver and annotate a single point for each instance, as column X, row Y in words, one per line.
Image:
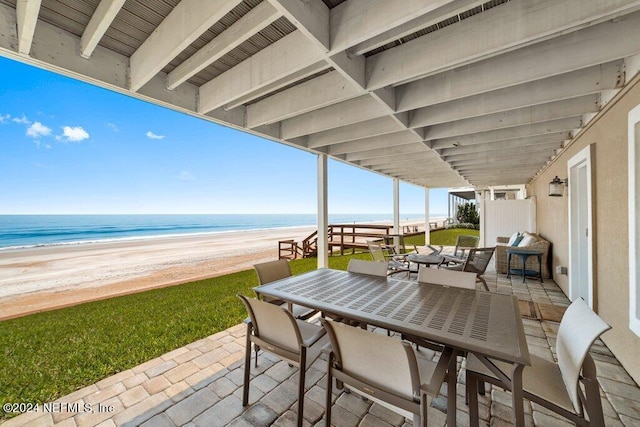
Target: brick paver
column 201, row 385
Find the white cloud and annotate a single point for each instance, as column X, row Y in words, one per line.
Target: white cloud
column 113, row 127
column 5, row 118
column 37, row 130
column 73, row 134
column 186, row 176
column 152, row 135
column 22, row 120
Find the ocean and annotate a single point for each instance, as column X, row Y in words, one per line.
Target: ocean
column 23, row 231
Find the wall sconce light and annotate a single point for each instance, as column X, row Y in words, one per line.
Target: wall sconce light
column 556, row 186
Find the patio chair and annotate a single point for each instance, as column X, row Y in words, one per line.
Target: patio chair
column 555, row 386
column 395, row 264
column 385, row 370
column 463, row 243
column 274, row 329
column 447, row 277
column 371, row 268
column 476, row 262
column 275, row 270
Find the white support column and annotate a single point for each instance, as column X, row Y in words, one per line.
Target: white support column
column 427, row 226
column 323, row 213
column 481, row 197
column 396, row 212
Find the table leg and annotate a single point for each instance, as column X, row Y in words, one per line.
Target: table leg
column 508, row 266
column 524, row 267
column 540, row 267
column 452, row 374
column 517, row 395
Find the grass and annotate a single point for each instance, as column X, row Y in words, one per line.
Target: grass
column 47, row 355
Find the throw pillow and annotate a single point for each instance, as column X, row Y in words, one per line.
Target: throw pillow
column 518, row 240
column 527, row 240
column 512, row 240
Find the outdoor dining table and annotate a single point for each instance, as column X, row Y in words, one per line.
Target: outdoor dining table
column 483, row 323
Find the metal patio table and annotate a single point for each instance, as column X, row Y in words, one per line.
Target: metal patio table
column 486, row 324
column 428, row 260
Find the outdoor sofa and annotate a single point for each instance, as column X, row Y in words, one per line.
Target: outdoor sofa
column 535, row 242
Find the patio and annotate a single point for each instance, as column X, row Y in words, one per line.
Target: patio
column 201, row 384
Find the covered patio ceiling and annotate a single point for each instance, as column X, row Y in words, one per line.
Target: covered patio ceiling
column 438, row 93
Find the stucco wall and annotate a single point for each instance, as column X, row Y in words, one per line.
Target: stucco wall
column 611, row 247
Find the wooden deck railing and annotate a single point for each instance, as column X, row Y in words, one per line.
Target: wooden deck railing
column 341, row 237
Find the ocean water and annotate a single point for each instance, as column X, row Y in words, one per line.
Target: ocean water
column 21, row 231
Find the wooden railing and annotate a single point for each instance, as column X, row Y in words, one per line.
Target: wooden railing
column 341, row 236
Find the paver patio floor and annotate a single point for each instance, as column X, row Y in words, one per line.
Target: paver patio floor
column 201, row 385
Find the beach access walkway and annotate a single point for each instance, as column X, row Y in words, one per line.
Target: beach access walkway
column 201, row 385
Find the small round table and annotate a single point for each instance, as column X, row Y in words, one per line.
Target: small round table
column 524, row 254
column 428, row 260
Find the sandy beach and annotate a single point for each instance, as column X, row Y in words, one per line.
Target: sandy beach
column 43, row 278
column 48, row 277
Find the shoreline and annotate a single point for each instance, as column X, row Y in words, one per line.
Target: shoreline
column 44, row 278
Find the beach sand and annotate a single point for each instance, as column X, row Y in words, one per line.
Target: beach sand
column 43, row 278
column 49, row 277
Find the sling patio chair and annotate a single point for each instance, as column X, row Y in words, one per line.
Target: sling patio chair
column 383, row 369
column 554, row 386
column 476, row 262
column 275, row 270
column 275, row 330
column 371, row 268
column 463, row 243
column 395, row 263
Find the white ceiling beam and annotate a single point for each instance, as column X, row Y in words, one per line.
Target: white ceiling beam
column 396, row 158
column 407, row 149
column 26, row 20
column 246, row 27
column 290, row 54
column 552, row 140
column 327, row 89
column 515, row 172
column 417, row 170
column 379, row 141
column 186, row 22
column 577, row 83
column 99, row 24
column 288, row 80
column 442, row 13
column 522, row 116
column 338, row 115
column 510, row 153
column 356, row 21
column 352, row 69
column 309, row 16
column 581, row 49
column 366, row 129
column 489, row 165
column 520, row 23
column 541, row 128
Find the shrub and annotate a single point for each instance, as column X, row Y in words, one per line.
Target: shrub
column 467, row 213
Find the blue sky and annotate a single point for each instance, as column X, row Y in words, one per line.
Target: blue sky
column 67, row 147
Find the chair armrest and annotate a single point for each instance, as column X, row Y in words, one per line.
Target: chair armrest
column 435, row 250
column 439, row 374
column 502, row 239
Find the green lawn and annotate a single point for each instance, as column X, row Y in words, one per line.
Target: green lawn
column 48, row 355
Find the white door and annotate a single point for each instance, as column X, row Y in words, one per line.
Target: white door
column 580, row 227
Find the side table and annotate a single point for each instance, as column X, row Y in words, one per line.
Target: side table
column 524, row 254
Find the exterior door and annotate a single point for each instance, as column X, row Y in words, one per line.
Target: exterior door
column 580, row 227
